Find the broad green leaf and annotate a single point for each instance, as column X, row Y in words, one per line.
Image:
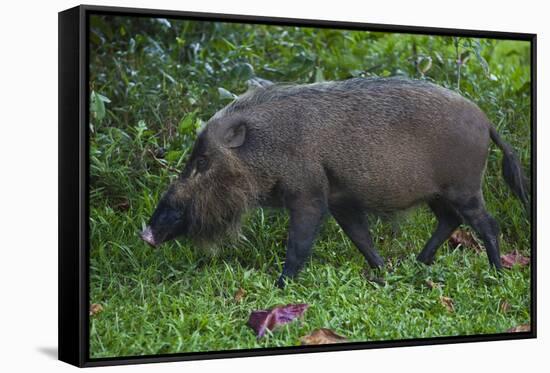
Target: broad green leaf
column 225, row 94
column 164, row 21
column 103, row 98
column 180, row 41
column 173, row 155
column 141, row 128
column 199, row 125
column 97, row 105
column 319, row 77
column 186, row 124
column 242, row 71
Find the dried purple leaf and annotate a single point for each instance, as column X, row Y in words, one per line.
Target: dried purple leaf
column 510, row 259
column 262, row 320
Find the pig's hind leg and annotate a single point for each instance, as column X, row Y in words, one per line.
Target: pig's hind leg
column 472, row 208
column 447, row 221
column 355, row 224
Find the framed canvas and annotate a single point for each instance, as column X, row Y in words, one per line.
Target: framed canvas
column 233, row 186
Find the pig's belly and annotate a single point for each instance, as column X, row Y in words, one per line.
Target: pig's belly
column 385, row 192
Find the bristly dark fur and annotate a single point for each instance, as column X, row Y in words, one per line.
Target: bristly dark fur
column 218, row 201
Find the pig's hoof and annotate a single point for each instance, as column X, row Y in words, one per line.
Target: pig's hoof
column 426, row 260
column 496, row 265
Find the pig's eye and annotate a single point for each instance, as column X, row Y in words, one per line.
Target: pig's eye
column 202, row 164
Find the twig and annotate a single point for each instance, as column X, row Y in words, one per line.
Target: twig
column 458, row 64
column 171, row 169
column 415, row 56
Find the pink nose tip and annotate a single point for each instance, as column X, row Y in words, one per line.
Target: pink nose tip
column 147, row 236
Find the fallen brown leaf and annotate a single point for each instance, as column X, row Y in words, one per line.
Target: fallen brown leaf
column 239, row 295
column 504, row 306
column 520, row 328
column 448, row 303
column 432, row 285
column 263, row 320
column 512, row 258
column 322, row 336
column 465, row 239
column 123, row 205
column 95, row 309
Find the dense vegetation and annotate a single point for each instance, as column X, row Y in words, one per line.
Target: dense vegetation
column 154, row 82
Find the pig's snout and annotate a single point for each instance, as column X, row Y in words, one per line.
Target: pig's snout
column 148, row 236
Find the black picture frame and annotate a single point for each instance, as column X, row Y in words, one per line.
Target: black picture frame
column 74, row 181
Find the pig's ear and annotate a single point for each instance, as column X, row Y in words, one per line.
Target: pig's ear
column 233, row 134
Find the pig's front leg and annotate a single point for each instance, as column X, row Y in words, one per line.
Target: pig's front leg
column 306, row 216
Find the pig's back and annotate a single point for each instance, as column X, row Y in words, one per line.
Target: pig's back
column 385, row 143
column 393, row 143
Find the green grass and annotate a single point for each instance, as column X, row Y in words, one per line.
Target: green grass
column 153, row 87
column 179, row 299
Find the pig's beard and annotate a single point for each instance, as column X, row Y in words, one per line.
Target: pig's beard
column 222, row 197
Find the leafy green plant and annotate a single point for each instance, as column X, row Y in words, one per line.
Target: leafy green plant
column 155, row 82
